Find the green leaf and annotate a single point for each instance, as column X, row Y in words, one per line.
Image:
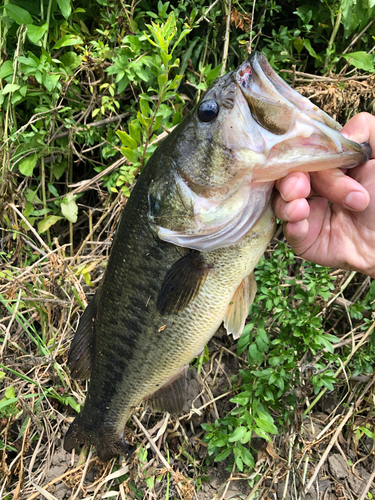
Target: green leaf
column 135, row 132
column 59, row 169
column 247, row 457
column 65, row 7
column 368, row 432
column 18, row 14
column 9, row 392
column 126, row 139
column 241, row 399
column 309, row 48
column 129, row 155
column 223, row 455
column 266, row 425
column 69, row 208
column 46, row 223
column 50, row 81
column 145, row 107
column 239, row 463
column 6, row 69
column 360, row 60
column 27, row 165
column 213, row 74
column 71, row 60
column 207, row 427
column 32, row 196
column 10, row 87
column 35, row 33
column 237, row 434
column 68, row 40
column 53, row 190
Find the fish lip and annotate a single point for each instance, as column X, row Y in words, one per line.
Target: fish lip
column 367, row 150
column 257, row 80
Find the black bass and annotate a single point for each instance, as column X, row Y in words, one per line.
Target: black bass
column 197, row 222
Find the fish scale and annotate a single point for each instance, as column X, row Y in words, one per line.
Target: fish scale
column 189, row 238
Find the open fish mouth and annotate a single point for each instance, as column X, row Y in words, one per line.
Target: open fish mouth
column 298, row 134
column 259, row 129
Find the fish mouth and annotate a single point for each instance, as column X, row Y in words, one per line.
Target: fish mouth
column 271, row 130
column 297, row 135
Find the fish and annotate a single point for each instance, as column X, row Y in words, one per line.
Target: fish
column 194, row 228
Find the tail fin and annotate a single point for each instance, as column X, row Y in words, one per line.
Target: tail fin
column 75, row 436
column 107, row 445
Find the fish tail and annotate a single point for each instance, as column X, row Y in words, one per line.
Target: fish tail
column 75, row 435
column 107, row 446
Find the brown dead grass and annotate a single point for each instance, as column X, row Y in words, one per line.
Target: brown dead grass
column 48, row 293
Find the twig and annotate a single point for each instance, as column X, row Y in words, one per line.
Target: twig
column 157, row 451
column 7, row 333
column 291, row 444
column 256, row 485
column 358, row 36
column 85, row 185
column 368, row 486
column 333, row 34
column 57, row 479
column 83, row 475
column 313, row 78
column 226, row 44
column 88, row 237
column 197, row 410
column 207, row 11
column 328, row 449
column 33, row 119
column 360, row 343
column 99, row 123
column 251, row 27
column 222, row 496
column 30, row 227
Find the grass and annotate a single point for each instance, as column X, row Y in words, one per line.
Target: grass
column 41, row 304
column 260, row 414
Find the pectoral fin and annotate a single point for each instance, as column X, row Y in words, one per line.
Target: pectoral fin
column 238, row 309
column 80, row 356
column 172, row 396
column 182, row 283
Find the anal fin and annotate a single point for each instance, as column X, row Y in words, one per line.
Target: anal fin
column 172, row 396
column 80, row 357
column 238, row 309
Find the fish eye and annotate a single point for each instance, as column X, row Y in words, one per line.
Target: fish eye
column 208, row 110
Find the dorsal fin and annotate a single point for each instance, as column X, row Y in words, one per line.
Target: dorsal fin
column 182, row 283
column 172, row 396
column 238, row 309
column 80, row 356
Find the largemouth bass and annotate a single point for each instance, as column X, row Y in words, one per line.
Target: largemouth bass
column 197, row 222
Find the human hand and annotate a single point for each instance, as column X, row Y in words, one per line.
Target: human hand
column 329, row 216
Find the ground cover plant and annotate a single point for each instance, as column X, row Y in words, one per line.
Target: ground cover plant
column 87, row 91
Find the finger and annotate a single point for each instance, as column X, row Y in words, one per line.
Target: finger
column 295, row 233
column 293, row 186
column 361, row 128
column 303, row 235
column 340, row 188
column 293, row 211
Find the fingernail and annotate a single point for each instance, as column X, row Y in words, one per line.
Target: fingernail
column 345, row 134
column 356, row 201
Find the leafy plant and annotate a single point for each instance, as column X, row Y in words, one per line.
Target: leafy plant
column 285, row 328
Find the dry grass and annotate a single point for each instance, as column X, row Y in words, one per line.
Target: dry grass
column 41, row 303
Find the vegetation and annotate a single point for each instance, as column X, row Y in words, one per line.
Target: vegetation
column 87, row 90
